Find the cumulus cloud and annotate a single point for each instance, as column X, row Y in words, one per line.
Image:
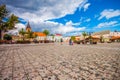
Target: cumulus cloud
column 18, row 27
column 107, row 24
column 43, row 9
column 109, row 13
column 68, row 27
column 87, row 20
column 55, row 27
column 38, row 12
column 86, row 6
column 74, row 33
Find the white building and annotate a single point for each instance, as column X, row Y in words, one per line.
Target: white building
column 107, row 35
column 58, row 37
column 51, row 38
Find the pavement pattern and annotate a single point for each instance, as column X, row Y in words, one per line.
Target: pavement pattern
column 54, row 61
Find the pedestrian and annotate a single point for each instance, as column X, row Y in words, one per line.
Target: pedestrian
column 70, row 42
column 61, row 41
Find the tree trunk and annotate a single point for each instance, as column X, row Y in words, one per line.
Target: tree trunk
column 84, row 39
column 1, row 34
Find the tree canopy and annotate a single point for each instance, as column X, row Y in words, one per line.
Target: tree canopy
column 22, row 32
column 84, row 34
column 3, row 14
column 7, row 37
column 73, row 38
column 30, row 34
column 11, row 21
column 46, row 32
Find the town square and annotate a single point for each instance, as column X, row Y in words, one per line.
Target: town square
column 59, row 39
column 54, row 61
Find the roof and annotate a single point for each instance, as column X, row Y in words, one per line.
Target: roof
column 77, row 36
column 58, row 34
column 94, row 37
column 28, row 25
column 39, row 34
column 115, row 37
column 101, row 32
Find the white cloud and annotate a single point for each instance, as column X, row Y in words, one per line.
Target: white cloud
column 87, row 20
column 86, row 6
column 109, row 13
column 18, row 27
column 76, row 24
column 77, row 33
column 68, row 28
column 107, row 24
column 55, row 27
column 73, row 24
column 37, row 12
column 48, row 10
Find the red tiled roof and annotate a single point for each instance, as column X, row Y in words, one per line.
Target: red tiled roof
column 115, row 37
column 58, row 34
column 94, row 37
column 39, row 34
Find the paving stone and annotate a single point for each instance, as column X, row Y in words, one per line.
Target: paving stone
column 56, row 62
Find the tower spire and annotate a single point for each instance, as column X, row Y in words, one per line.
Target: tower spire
column 28, row 28
column 28, row 25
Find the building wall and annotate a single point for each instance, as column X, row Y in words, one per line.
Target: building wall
column 58, row 38
column 66, row 39
column 114, row 33
column 107, row 36
column 51, row 38
column 40, row 38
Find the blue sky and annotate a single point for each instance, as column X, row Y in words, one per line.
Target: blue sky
column 68, row 17
column 90, row 17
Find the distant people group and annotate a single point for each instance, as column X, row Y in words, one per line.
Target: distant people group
column 61, row 41
column 70, row 42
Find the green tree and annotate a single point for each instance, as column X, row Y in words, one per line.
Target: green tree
column 90, row 39
column 11, row 22
column 34, row 35
column 3, row 14
column 53, row 36
column 22, row 33
column 84, row 35
column 7, row 37
column 46, row 32
column 101, row 39
column 30, row 34
column 73, row 38
column 4, row 26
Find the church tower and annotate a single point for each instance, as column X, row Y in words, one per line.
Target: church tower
column 28, row 28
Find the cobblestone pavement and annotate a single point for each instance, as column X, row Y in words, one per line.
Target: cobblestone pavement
column 60, row 62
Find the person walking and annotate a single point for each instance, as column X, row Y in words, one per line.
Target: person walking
column 61, row 41
column 70, row 42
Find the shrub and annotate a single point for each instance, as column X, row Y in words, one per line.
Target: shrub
column 7, row 37
column 46, row 41
column 23, row 42
column 41, row 41
column 94, row 42
column 35, row 41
